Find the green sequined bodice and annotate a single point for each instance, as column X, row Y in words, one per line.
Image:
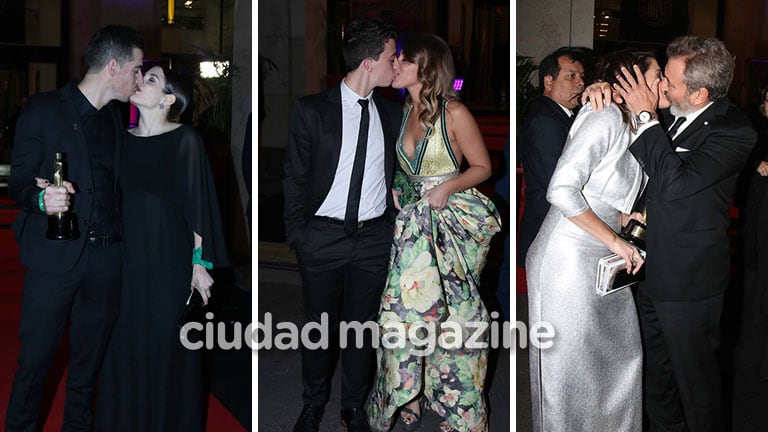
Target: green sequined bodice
column 433, row 155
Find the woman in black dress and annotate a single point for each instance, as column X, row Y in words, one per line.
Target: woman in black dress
column 751, row 362
column 150, row 380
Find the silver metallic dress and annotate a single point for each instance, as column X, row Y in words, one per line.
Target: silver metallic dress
column 590, row 378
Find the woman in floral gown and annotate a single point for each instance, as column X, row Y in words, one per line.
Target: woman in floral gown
column 439, row 250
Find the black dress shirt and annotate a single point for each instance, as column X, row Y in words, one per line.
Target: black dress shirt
column 100, row 135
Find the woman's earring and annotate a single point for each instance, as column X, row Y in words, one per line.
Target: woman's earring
column 162, row 105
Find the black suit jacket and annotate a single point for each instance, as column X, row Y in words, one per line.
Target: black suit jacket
column 755, row 205
column 688, row 196
column 544, row 134
column 312, row 154
column 50, row 124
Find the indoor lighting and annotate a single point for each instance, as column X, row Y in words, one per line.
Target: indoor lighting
column 209, row 69
column 171, row 7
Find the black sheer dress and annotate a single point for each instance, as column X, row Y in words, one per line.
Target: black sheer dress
column 149, row 381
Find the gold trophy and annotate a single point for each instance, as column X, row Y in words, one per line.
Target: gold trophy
column 61, row 225
column 635, row 233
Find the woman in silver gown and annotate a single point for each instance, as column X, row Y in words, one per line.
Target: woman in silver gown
column 590, row 377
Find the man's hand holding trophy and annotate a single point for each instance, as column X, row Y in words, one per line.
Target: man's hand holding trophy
column 62, row 224
column 634, row 230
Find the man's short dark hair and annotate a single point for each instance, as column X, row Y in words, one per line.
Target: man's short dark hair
column 112, row 42
column 551, row 66
column 363, row 39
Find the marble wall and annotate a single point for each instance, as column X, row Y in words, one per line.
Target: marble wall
column 542, row 27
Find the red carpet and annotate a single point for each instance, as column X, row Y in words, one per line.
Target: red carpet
column 520, row 284
column 11, row 282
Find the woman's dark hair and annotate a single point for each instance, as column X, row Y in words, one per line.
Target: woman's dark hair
column 175, row 85
column 762, row 96
column 609, row 67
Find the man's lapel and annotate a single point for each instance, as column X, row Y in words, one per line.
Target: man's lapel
column 334, row 117
column 700, row 124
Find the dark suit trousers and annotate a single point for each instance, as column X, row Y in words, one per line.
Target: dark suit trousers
column 343, row 277
column 682, row 374
column 88, row 296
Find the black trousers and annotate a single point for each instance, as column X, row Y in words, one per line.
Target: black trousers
column 342, row 276
column 682, row 374
column 750, row 380
column 88, row 297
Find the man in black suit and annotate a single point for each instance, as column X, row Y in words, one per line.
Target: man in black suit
column 548, row 119
column 692, row 169
column 74, row 280
column 339, row 216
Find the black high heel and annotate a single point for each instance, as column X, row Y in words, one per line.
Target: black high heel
column 446, row 427
column 409, row 427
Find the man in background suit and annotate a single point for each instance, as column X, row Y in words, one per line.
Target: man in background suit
column 548, row 119
column 692, row 169
column 343, row 245
column 79, row 279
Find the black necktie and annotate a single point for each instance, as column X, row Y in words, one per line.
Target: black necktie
column 675, row 127
column 356, row 181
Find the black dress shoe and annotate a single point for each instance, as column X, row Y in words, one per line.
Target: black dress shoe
column 355, row 420
column 309, row 419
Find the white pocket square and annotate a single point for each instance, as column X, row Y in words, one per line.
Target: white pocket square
column 681, row 149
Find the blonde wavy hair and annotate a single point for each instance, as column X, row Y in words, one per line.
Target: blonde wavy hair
column 436, row 73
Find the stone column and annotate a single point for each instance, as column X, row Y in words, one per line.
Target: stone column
column 282, row 67
column 242, row 87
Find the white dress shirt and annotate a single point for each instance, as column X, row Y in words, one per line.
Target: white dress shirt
column 689, row 118
column 373, row 198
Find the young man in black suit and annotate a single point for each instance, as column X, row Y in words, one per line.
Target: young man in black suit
column 339, row 216
column 75, row 280
column 562, row 77
column 692, row 169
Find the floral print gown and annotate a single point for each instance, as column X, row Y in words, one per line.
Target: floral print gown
column 435, row 264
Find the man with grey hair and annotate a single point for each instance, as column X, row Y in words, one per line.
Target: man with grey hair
column 692, row 168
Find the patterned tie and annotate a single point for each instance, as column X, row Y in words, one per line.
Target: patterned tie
column 675, row 126
column 356, row 181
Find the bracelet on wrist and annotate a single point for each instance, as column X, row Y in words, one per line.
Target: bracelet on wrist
column 40, row 202
column 197, row 258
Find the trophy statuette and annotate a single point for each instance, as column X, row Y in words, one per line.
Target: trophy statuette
column 634, row 232
column 61, row 225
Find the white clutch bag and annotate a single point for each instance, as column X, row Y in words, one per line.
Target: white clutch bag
column 612, row 274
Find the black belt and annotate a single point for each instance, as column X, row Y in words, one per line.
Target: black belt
column 360, row 224
column 103, row 240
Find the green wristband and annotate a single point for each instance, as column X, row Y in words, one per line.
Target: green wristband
column 197, row 258
column 40, row 203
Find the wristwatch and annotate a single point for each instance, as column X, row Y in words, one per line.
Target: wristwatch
column 645, row 116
